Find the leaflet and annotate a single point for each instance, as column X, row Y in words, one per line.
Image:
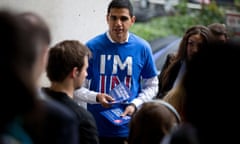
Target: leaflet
column 114, row 116
column 120, row 93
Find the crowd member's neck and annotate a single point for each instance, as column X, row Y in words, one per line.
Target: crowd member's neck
column 57, row 87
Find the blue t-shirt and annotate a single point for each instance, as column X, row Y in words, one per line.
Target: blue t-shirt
column 112, row 63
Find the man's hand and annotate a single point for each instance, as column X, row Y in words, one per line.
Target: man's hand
column 104, row 99
column 130, row 110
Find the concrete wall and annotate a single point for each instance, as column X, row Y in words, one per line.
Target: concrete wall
column 68, row 19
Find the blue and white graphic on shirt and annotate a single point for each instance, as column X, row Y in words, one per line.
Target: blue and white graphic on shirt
column 112, row 63
column 117, row 65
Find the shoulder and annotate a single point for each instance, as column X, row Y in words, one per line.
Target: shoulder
column 58, row 111
column 101, row 38
column 85, row 114
column 135, row 38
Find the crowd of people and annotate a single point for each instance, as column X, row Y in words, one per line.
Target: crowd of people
column 193, row 97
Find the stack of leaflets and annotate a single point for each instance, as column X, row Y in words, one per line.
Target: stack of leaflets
column 114, row 116
column 121, row 94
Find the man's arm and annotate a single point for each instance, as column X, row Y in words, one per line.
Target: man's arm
column 149, row 91
column 83, row 94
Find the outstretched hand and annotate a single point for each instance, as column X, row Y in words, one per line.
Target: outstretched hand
column 105, row 99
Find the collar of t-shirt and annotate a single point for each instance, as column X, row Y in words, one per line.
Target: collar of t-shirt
column 109, row 37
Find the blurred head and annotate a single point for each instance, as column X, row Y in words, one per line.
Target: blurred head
column 68, row 58
column 17, row 55
column 219, row 32
column 152, row 122
column 120, row 18
column 39, row 40
column 184, row 134
column 212, row 92
column 194, row 38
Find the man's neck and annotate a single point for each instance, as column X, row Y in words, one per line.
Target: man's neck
column 62, row 87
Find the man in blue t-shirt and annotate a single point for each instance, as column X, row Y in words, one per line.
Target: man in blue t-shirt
column 118, row 56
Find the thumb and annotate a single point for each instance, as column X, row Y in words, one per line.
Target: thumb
column 124, row 113
column 109, row 98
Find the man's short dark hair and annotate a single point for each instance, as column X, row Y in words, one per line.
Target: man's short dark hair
column 121, row 4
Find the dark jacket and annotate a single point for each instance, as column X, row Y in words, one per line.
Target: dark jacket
column 54, row 124
column 87, row 126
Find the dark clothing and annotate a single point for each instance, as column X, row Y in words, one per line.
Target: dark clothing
column 58, row 122
column 167, row 78
column 55, row 124
column 87, row 125
column 113, row 140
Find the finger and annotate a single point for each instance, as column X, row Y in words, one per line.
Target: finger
column 106, row 104
column 109, row 98
column 124, row 113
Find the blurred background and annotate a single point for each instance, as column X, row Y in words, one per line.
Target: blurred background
column 163, row 22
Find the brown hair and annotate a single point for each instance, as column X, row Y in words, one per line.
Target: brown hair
column 63, row 57
column 152, row 122
column 176, row 60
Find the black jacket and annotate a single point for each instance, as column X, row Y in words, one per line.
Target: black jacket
column 87, row 126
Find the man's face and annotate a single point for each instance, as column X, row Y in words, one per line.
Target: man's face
column 82, row 74
column 119, row 21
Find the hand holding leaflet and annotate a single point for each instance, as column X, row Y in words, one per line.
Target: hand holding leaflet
column 121, row 94
column 114, row 116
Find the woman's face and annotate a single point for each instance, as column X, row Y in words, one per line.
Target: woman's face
column 193, row 45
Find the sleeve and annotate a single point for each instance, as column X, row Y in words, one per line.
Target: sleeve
column 83, row 94
column 149, row 90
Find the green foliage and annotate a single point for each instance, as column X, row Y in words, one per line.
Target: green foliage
column 178, row 23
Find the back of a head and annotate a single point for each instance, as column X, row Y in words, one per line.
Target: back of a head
column 217, row 30
column 212, row 91
column 14, row 75
column 121, row 4
column 152, row 122
column 63, row 57
column 38, row 35
column 184, row 134
column 9, row 38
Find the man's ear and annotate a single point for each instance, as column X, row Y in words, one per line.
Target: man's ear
column 133, row 19
column 75, row 72
column 107, row 18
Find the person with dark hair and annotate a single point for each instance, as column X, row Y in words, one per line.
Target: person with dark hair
column 211, row 85
column 212, row 90
column 66, row 70
column 14, row 76
column 184, row 134
column 119, row 57
column 58, row 124
column 219, row 32
column 174, row 68
column 154, row 120
column 24, row 40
